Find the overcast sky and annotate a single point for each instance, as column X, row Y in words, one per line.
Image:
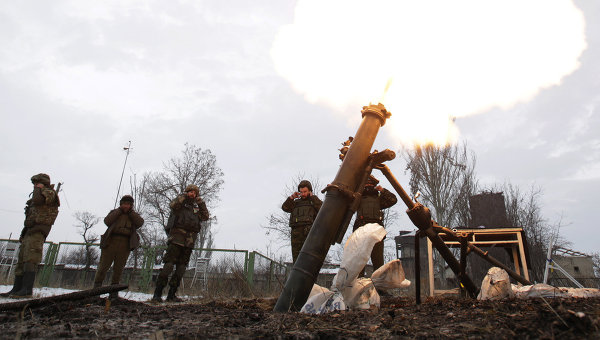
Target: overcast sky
column 80, row 79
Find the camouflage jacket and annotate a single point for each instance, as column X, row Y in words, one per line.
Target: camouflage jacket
column 189, row 214
column 376, row 201
column 125, row 224
column 41, row 211
column 302, row 210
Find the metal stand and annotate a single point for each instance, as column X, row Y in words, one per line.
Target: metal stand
column 550, row 264
column 418, row 267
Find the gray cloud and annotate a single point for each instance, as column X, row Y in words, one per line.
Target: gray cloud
column 77, row 83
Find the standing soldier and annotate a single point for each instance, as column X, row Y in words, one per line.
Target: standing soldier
column 303, row 207
column 40, row 214
column 374, row 200
column 118, row 241
column 188, row 210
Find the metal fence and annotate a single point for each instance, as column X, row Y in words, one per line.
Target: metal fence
column 210, row 272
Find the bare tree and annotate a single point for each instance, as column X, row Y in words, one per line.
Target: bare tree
column 137, row 190
column 596, row 260
column 524, row 210
column 193, row 166
column 85, row 222
column 445, row 178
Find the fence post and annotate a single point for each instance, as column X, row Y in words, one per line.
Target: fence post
column 148, row 267
column 49, row 262
column 250, row 271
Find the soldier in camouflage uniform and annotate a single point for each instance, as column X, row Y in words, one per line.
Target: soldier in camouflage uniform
column 188, row 210
column 374, row 200
column 40, row 214
column 303, row 207
column 118, row 241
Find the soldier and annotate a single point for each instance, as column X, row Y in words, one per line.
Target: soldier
column 40, row 214
column 188, row 210
column 118, row 241
column 374, row 200
column 303, row 207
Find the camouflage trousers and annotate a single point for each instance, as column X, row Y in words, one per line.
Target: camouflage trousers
column 30, row 253
column 299, row 235
column 176, row 257
column 116, row 252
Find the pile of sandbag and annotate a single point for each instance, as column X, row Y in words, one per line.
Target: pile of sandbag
column 350, row 291
column 496, row 285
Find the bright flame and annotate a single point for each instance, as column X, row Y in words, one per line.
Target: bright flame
column 446, row 58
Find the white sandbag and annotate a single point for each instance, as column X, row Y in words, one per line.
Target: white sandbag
column 390, row 276
column 316, row 289
column 357, row 252
column 495, row 285
column 361, row 294
column 324, row 302
column 537, row 290
column 583, row 292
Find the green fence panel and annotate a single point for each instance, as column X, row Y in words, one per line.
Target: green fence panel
column 49, row 262
column 224, row 265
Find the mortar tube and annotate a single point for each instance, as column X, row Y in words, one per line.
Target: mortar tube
column 331, row 215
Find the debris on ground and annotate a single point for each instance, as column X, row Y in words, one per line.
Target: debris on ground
column 397, row 317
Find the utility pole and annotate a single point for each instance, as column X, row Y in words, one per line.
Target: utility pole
column 127, row 149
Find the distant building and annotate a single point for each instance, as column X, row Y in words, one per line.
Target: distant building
column 579, row 265
column 405, row 251
column 488, row 211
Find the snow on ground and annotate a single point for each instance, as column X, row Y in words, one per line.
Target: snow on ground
column 47, row 291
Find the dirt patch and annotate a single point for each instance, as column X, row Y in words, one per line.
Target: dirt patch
column 254, row 318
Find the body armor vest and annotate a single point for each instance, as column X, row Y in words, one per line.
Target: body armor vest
column 369, row 210
column 303, row 213
column 188, row 217
column 44, row 214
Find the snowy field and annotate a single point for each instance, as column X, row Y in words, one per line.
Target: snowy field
column 47, row 291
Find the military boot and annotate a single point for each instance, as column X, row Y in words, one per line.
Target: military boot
column 158, row 293
column 171, row 295
column 17, row 285
column 27, row 288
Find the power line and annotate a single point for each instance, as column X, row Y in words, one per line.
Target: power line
column 127, row 149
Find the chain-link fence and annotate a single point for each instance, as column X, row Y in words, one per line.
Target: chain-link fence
column 210, row 272
column 268, row 276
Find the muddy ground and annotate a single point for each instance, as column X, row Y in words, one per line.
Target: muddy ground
column 253, row 318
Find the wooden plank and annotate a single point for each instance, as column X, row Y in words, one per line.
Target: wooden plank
column 516, row 260
column 82, row 294
column 523, row 259
column 430, row 258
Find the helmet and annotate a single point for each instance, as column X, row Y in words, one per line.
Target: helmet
column 41, row 178
column 305, row 184
column 126, row 198
column 192, row 187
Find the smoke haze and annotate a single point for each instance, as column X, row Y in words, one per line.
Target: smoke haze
column 445, row 59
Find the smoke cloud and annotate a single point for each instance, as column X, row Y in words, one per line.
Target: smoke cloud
column 435, row 60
